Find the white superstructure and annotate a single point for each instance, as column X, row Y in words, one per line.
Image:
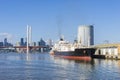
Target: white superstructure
column 63, row 46
column 86, row 35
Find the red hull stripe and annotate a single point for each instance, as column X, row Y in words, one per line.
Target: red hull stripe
column 77, row 57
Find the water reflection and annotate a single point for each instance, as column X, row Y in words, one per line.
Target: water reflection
column 82, row 61
column 22, row 56
column 94, row 69
column 42, row 66
column 81, row 69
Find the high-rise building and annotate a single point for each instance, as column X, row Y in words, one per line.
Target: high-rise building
column 33, row 44
column 1, row 44
column 5, row 42
column 86, row 35
column 49, row 42
column 42, row 42
column 22, row 42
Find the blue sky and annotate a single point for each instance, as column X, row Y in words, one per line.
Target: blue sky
column 47, row 16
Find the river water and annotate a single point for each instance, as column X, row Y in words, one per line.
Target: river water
column 42, row 66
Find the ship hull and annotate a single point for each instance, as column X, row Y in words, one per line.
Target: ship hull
column 82, row 53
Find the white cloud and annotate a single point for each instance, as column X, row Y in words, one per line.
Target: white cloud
column 6, row 35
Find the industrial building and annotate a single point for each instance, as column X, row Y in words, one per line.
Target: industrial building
column 109, row 51
column 86, row 35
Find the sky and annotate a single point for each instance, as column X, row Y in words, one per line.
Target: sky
column 48, row 18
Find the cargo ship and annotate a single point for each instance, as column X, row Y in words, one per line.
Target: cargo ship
column 67, row 50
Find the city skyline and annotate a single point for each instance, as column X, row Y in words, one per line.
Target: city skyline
column 48, row 17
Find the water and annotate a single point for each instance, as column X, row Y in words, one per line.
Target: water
column 42, row 66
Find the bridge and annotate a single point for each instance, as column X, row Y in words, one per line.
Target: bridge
column 30, row 47
column 24, row 48
column 5, row 47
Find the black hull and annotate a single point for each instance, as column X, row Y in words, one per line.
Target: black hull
column 82, row 52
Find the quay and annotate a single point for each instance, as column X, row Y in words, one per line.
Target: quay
column 107, row 51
